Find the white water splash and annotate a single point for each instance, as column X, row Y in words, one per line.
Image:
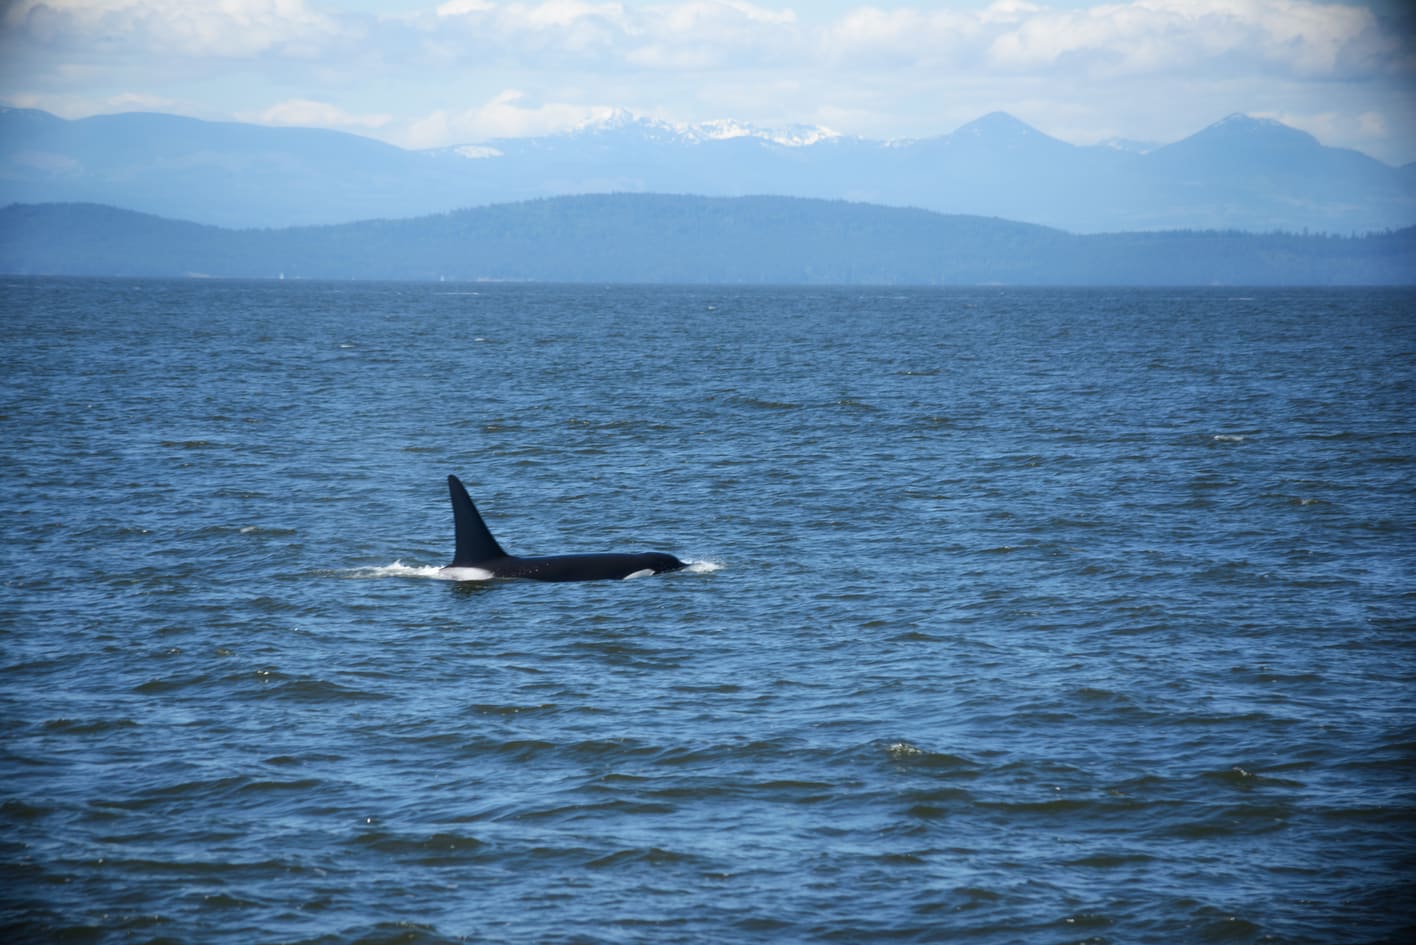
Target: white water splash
column 703, row 567
column 434, row 572
column 401, row 570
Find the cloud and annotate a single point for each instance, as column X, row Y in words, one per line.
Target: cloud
column 1150, row 36
column 518, row 30
column 171, row 28
column 503, row 117
column 715, row 16
column 308, row 113
column 81, row 107
column 684, row 35
column 712, row 35
column 1112, row 39
column 1303, row 38
column 464, row 7
column 903, row 38
column 893, row 68
column 1331, row 126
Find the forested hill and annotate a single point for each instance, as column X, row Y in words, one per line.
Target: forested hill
column 677, row 239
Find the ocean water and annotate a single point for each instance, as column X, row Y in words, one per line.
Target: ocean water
column 1015, row 616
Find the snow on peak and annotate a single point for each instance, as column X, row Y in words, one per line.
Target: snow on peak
column 722, row 129
column 612, row 120
column 477, row 151
column 792, row 136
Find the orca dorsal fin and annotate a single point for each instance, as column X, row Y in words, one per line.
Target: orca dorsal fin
column 475, row 543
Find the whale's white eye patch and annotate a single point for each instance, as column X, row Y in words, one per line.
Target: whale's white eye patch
column 643, row 572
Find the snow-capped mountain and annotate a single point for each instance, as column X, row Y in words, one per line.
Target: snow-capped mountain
column 623, row 121
column 1239, row 173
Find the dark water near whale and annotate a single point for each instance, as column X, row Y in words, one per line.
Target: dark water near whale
column 1018, row 616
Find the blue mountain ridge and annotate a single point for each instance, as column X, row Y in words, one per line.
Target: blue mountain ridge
column 1239, row 173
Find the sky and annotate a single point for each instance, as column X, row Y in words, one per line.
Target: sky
column 431, row 73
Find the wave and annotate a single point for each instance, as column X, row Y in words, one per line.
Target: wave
column 436, row 572
column 439, row 573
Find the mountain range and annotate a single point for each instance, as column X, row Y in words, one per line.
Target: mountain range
column 1240, row 173
column 647, row 238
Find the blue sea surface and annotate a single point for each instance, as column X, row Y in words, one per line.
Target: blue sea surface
column 1016, row 616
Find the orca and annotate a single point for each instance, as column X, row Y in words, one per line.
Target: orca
column 476, row 548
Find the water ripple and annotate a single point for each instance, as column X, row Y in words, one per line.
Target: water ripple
column 1039, row 615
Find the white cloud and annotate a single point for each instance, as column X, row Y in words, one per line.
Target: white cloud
column 1330, row 127
column 892, row 67
column 552, row 35
column 704, row 35
column 1299, row 37
column 464, row 7
column 566, row 16
column 142, row 102
column 687, row 35
column 562, row 14
column 1302, row 37
column 700, row 14
column 1010, row 11
column 172, row 28
column 70, row 106
column 503, row 117
column 310, row 113
column 902, row 38
column 1372, row 125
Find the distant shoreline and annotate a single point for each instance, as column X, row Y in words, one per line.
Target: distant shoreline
column 668, row 239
